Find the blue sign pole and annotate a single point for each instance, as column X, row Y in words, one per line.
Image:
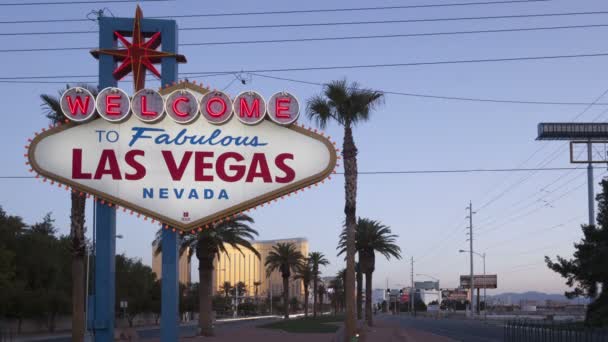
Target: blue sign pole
column 105, row 248
column 105, row 221
column 169, row 323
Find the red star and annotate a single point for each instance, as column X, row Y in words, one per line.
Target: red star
column 137, row 55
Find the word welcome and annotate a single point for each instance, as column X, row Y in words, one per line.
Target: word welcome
column 114, row 105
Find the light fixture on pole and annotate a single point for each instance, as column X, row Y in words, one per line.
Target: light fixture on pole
column 483, row 256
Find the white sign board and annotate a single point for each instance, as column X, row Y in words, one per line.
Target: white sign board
column 184, row 175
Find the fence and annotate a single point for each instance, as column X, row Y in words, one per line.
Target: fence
column 552, row 332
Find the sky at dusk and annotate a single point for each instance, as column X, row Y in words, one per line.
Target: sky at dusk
column 522, row 216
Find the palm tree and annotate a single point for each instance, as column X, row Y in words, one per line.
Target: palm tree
column 321, row 291
column 239, row 289
column 207, row 245
column 371, row 236
column 346, row 105
column 256, row 287
column 52, row 110
column 226, row 287
column 316, row 259
column 285, row 258
column 337, row 287
column 304, row 273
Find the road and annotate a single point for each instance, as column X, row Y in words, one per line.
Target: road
column 457, row 329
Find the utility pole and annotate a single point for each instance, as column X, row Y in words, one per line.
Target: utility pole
column 590, row 196
column 472, row 283
column 413, row 290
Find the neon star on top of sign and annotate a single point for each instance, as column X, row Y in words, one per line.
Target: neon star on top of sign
column 137, row 55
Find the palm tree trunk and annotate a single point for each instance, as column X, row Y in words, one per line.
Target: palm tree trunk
column 314, row 298
column 78, row 272
column 359, row 294
column 305, row 301
column 349, row 152
column 368, row 298
column 205, row 272
column 286, row 296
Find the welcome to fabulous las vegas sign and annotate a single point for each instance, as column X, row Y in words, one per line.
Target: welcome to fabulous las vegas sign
column 184, row 156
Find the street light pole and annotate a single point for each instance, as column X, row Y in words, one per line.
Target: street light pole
column 270, row 285
column 485, row 304
column 483, row 257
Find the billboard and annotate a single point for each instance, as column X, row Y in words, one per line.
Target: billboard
column 488, row 281
column 459, row 295
column 186, row 156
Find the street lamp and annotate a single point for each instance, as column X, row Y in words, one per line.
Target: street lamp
column 483, row 256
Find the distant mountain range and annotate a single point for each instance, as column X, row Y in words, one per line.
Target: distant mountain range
column 515, row 298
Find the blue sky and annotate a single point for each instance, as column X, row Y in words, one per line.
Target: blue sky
column 426, row 210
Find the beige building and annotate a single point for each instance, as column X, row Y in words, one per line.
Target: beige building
column 246, row 267
column 184, row 267
column 234, row 266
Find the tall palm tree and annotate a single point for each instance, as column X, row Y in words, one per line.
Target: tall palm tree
column 371, row 237
column 346, row 105
column 207, row 245
column 285, row 258
column 52, row 110
column 316, row 259
column 304, row 273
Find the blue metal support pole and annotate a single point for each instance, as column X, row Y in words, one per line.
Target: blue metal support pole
column 169, row 323
column 105, row 250
column 105, row 279
column 169, row 300
column 105, row 246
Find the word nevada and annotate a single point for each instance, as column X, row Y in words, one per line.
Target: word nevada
column 182, row 106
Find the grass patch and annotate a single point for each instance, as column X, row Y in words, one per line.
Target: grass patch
column 322, row 324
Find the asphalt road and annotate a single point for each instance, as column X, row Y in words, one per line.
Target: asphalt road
column 457, row 329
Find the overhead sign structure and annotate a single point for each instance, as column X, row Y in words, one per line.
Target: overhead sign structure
column 188, row 157
column 488, row 281
column 589, row 134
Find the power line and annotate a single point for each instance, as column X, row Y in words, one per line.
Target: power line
column 471, row 170
column 320, row 39
column 388, row 36
column 542, row 163
column 441, row 97
column 72, row 2
column 346, row 67
column 515, row 218
column 351, row 9
column 526, row 234
column 404, row 172
column 393, row 65
column 325, row 24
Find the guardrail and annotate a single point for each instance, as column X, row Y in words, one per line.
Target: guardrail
column 552, row 332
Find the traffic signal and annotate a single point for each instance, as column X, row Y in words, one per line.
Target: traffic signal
column 388, row 291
